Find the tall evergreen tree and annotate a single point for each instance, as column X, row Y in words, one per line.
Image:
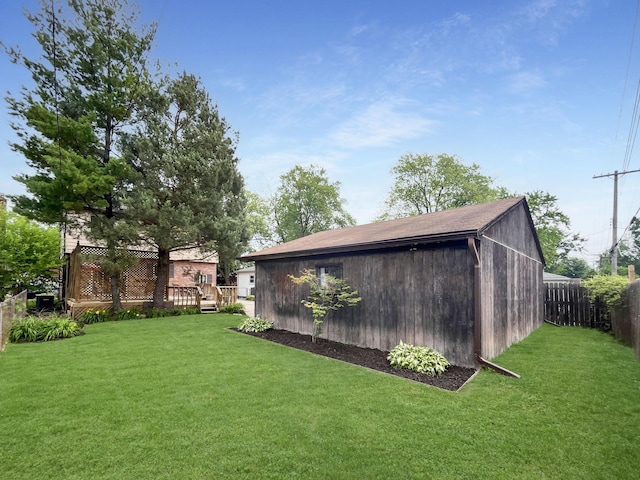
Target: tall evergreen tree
column 187, row 191
column 87, row 89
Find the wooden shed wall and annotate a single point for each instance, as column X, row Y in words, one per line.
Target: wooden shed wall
column 422, row 296
column 512, row 288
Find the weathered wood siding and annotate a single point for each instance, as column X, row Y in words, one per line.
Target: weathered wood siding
column 512, row 289
column 422, row 295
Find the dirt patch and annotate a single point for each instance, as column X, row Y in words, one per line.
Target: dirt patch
column 452, row 379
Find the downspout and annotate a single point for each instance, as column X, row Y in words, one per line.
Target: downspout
column 477, row 314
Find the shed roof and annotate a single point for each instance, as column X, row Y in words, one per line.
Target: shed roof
column 451, row 224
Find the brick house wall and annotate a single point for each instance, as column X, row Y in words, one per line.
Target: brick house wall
column 184, row 273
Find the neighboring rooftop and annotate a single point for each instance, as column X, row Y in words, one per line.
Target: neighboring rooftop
column 554, row 277
column 451, row 224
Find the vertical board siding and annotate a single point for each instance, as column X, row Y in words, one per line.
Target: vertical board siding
column 512, row 288
column 419, row 296
column 422, row 294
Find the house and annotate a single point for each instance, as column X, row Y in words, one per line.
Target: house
column 192, row 273
column 466, row 281
column 246, row 281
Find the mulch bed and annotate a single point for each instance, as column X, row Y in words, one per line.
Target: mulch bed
column 452, row 379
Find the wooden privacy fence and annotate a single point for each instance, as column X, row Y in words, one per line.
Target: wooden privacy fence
column 625, row 322
column 10, row 309
column 568, row 304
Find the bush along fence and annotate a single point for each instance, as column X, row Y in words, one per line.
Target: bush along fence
column 13, row 308
column 625, row 320
column 569, row 304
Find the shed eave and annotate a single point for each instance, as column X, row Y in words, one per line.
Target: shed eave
column 359, row 247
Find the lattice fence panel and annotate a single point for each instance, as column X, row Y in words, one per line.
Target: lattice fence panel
column 136, row 282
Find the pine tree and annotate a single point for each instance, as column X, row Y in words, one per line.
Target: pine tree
column 88, row 87
column 188, row 191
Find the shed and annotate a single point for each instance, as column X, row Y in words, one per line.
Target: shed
column 466, row 281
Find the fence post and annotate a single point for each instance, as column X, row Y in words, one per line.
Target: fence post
column 9, row 311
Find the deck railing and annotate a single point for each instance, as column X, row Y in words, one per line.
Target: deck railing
column 184, row 296
column 226, row 295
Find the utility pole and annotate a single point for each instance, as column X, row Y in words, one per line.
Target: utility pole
column 614, row 229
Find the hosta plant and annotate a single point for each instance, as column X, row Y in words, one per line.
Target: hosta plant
column 253, row 325
column 419, row 359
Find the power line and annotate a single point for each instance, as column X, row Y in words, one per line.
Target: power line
column 635, row 116
column 614, row 243
column 626, row 77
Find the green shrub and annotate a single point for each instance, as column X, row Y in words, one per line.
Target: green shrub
column 25, row 330
column 232, row 308
column 94, row 315
column 31, row 305
column 610, row 289
column 251, row 298
column 251, row 325
column 187, row 311
column 159, row 313
column 34, row 329
column 59, row 328
column 419, row 359
column 128, row 314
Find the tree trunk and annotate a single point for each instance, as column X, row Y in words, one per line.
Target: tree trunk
column 115, row 293
column 112, row 269
column 163, row 278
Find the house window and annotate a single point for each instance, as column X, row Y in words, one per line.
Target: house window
column 325, row 271
column 171, row 270
column 252, row 279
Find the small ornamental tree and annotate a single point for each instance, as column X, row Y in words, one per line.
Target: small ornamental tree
column 326, row 295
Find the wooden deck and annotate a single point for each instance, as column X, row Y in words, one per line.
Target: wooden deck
column 179, row 297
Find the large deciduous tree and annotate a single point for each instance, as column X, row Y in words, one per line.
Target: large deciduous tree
column 87, row 88
column 430, row 183
column 186, row 191
column 553, row 229
column 259, row 217
column 307, row 202
column 29, row 254
column 629, row 248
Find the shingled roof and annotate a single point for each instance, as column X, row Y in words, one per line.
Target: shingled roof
column 457, row 223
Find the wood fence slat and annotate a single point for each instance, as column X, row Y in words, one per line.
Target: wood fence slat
column 569, row 304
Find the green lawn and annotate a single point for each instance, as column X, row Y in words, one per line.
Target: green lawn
column 182, row 397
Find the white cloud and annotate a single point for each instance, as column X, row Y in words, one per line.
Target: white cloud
column 381, row 124
column 526, row 82
column 456, row 20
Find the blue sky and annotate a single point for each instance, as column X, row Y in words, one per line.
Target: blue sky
column 540, row 93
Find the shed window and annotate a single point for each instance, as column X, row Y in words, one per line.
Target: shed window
column 171, row 270
column 323, row 272
column 252, row 279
